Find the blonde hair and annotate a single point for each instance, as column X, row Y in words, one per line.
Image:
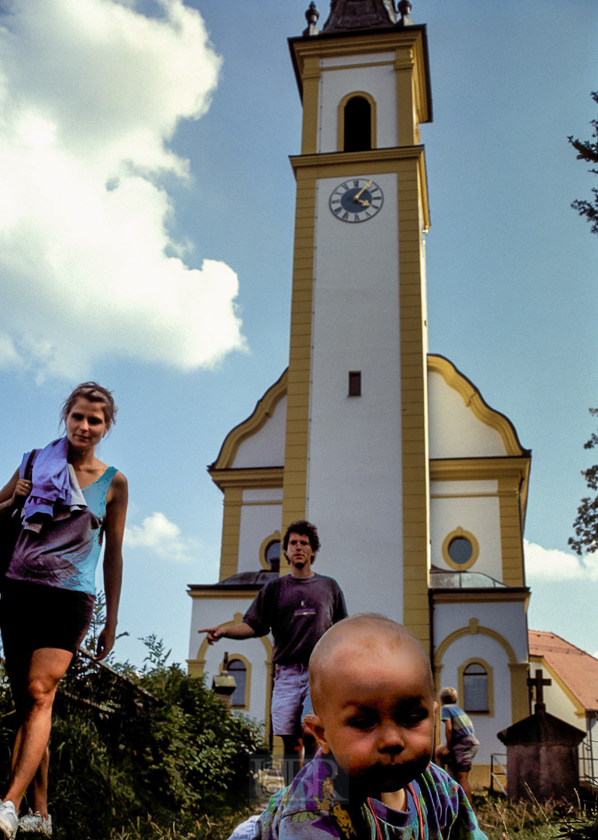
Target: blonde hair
column 449, row 695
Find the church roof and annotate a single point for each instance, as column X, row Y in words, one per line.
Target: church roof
column 347, row 15
column 574, row 668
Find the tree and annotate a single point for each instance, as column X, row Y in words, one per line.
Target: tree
column 586, row 522
column 588, row 150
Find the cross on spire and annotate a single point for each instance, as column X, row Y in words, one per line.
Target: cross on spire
column 538, row 684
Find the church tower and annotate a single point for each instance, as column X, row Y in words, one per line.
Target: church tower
column 356, row 460
column 418, row 487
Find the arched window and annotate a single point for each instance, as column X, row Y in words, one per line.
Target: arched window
column 238, row 669
column 475, row 688
column 358, row 125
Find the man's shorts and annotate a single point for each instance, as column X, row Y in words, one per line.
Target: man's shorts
column 461, row 757
column 290, row 699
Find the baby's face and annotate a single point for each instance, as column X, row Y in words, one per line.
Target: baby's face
column 377, row 717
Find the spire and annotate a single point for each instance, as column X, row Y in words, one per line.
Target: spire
column 346, row 15
column 311, row 16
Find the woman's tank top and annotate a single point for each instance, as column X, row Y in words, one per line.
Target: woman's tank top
column 65, row 553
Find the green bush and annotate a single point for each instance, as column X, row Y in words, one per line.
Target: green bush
column 140, row 754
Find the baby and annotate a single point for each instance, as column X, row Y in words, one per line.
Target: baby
column 374, row 711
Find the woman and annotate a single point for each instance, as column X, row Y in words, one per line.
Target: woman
column 72, row 502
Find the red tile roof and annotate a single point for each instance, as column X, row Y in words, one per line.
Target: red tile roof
column 576, row 668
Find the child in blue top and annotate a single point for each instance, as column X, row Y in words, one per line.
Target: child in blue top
column 374, row 710
column 461, row 743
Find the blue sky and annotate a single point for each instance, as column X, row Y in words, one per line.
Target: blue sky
column 146, row 229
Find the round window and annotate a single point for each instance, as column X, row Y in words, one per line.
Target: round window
column 273, row 552
column 460, row 550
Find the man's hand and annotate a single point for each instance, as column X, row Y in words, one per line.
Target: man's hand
column 105, row 643
column 214, row 633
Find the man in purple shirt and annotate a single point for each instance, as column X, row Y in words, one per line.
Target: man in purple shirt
column 298, row 609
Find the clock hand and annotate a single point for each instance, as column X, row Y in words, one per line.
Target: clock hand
column 365, row 186
column 363, row 202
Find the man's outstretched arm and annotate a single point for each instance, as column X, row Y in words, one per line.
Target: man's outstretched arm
column 228, row 631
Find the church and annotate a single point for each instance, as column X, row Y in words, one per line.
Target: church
column 417, row 486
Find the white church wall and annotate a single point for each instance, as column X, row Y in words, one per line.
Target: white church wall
column 506, row 618
column 480, row 515
column 455, row 431
column 379, row 81
column 210, row 612
column 355, row 442
column 486, row 725
column 499, row 639
column 265, row 448
column 258, row 521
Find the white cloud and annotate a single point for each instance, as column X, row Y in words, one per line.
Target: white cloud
column 160, row 535
column 91, row 91
column 550, row 564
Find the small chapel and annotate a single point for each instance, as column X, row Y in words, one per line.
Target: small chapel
column 417, row 486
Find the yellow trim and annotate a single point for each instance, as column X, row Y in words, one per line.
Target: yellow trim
column 228, row 594
column 475, row 546
column 262, row 412
column 407, row 125
column 580, row 709
column 477, row 660
column 274, row 536
column 255, row 478
column 519, row 690
column 341, row 118
column 247, row 698
column 474, row 629
column 311, row 102
column 511, row 531
column 496, row 595
column 474, row 400
column 296, row 443
column 412, row 218
column 479, row 778
column 466, row 469
column 519, row 699
column 358, row 65
column 231, row 530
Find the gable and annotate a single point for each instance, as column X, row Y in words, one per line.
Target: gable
column 461, row 423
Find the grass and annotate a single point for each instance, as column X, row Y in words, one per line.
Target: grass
column 498, row 818
column 504, row 820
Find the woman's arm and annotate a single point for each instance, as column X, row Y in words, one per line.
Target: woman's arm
column 116, row 514
column 15, row 487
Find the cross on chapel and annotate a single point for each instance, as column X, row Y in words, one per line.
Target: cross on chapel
column 538, row 683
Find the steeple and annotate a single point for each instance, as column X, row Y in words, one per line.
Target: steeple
column 346, row 15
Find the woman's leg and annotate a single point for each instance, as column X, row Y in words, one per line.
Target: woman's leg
column 47, row 667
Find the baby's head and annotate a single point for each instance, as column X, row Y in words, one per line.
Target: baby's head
column 373, row 698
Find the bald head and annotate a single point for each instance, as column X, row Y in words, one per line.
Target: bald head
column 367, row 636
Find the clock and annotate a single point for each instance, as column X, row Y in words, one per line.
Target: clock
column 356, row 200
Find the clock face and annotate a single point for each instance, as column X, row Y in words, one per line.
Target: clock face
column 356, row 200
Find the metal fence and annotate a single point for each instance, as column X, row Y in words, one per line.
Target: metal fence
column 498, row 773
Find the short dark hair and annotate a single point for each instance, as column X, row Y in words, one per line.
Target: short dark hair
column 304, row 529
column 93, row 392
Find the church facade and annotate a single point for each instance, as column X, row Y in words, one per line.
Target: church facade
column 417, row 486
